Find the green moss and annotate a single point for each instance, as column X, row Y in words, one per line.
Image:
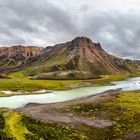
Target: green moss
column 127, row 112
column 3, row 135
column 124, row 110
column 20, row 127
column 14, row 126
column 51, row 131
column 21, row 81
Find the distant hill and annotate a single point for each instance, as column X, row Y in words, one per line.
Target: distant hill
column 77, row 59
column 14, row 56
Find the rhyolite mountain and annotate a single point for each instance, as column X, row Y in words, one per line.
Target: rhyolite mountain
column 77, row 59
column 14, row 56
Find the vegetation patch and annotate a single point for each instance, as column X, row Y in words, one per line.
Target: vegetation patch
column 14, row 127
column 51, row 131
column 21, row 81
column 124, row 110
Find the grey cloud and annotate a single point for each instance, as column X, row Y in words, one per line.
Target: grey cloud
column 119, row 33
column 27, row 17
column 45, row 22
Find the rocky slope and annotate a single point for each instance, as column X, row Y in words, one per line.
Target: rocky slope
column 78, row 59
column 14, row 56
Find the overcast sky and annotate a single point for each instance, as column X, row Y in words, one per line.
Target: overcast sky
column 113, row 23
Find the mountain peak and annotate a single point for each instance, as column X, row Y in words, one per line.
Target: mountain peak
column 84, row 42
column 81, row 42
column 82, row 39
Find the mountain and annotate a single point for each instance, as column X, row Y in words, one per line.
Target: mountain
column 14, row 56
column 77, row 59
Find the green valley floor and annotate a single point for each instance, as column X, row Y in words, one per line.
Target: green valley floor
column 20, row 81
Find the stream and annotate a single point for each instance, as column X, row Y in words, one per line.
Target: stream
column 17, row 101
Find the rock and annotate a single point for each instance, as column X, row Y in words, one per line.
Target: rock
column 4, row 76
column 132, row 136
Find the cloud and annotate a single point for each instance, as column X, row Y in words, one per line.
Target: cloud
column 26, row 20
column 42, row 22
column 118, row 32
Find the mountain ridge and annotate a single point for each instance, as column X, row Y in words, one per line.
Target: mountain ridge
column 17, row 55
column 77, row 59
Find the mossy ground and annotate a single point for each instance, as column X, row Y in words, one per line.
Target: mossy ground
column 13, row 129
column 124, row 110
column 21, row 81
column 21, row 127
column 14, row 126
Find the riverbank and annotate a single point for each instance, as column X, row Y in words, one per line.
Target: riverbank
column 111, row 115
column 9, row 93
column 19, row 81
column 16, row 101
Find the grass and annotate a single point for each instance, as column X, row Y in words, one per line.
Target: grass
column 21, row 81
column 128, row 100
column 106, row 79
column 124, row 110
column 14, row 128
column 22, row 127
column 51, row 131
column 127, row 117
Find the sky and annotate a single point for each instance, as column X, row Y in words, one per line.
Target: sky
column 113, row 23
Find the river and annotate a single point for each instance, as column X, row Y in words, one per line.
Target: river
column 17, row 101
